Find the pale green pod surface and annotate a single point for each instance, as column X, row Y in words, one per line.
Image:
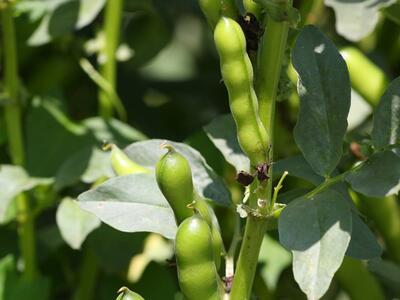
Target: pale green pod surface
column 212, row 11
column 174, row 178
column 237, row 73
column 229, row 9
column 252, row 7
column 208, row 215
column 122, row 164
column 127, row 294
column 197, row 275
column 217, row 245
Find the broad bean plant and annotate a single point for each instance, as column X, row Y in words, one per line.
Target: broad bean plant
column 221, row 230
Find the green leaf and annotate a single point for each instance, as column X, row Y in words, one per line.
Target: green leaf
column 386, row 130
column 324, row 89
column 363, row 243
column 86, row 165
column 207, row 183
column 317, row 231
column 74, row 223
column 46, row 152
column 378, row 176
column 393, row 12
column 222, row 133
column 131, row 203
column 61, row 17
column 112, row 130
column 64, row 139
column 13, row 181
column 357, row 18
column 298, row 167
column 388, row 272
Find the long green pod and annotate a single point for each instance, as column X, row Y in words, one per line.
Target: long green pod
column 122, row 164
column 174, row 178
column 197, row 275
column 211, row 10
column 237, row 73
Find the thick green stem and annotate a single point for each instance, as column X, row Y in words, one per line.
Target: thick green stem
column 248, row 258
column 88, row 276
column 272, row 50
column 12, row 112
column 111, row 39
column 270, row 59
column 271, row 55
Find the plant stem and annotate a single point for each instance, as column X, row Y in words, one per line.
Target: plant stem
column 272, row 50
column 326, row 184
column 248, row 258
column 12, row 112
column 331, row 181
column 88, row 276
column 111, row 39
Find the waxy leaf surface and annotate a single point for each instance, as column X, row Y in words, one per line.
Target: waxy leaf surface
column 324, row 90
column 317, row 231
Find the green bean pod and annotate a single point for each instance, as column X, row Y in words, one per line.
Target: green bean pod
column 214, row 9
column 208, row 215
column 174, row 178
column 197, row 275
column 252, row 7
column 122, row 164
column 127, row 294
column 211, row 10
column 237, row 73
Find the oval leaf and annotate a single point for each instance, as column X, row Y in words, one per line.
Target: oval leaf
column 386, row 130
column 131, row 203
column 378, row 177
column 74, row 223
column 13, row 181
column 324, row 89
column 62, row 17
column 363, row 244
column 317, row 231
column 222, row 133
column 207, row 182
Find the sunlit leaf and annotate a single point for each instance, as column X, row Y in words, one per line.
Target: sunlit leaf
column 74, row 223
column 318, row 232
column 324, row 89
